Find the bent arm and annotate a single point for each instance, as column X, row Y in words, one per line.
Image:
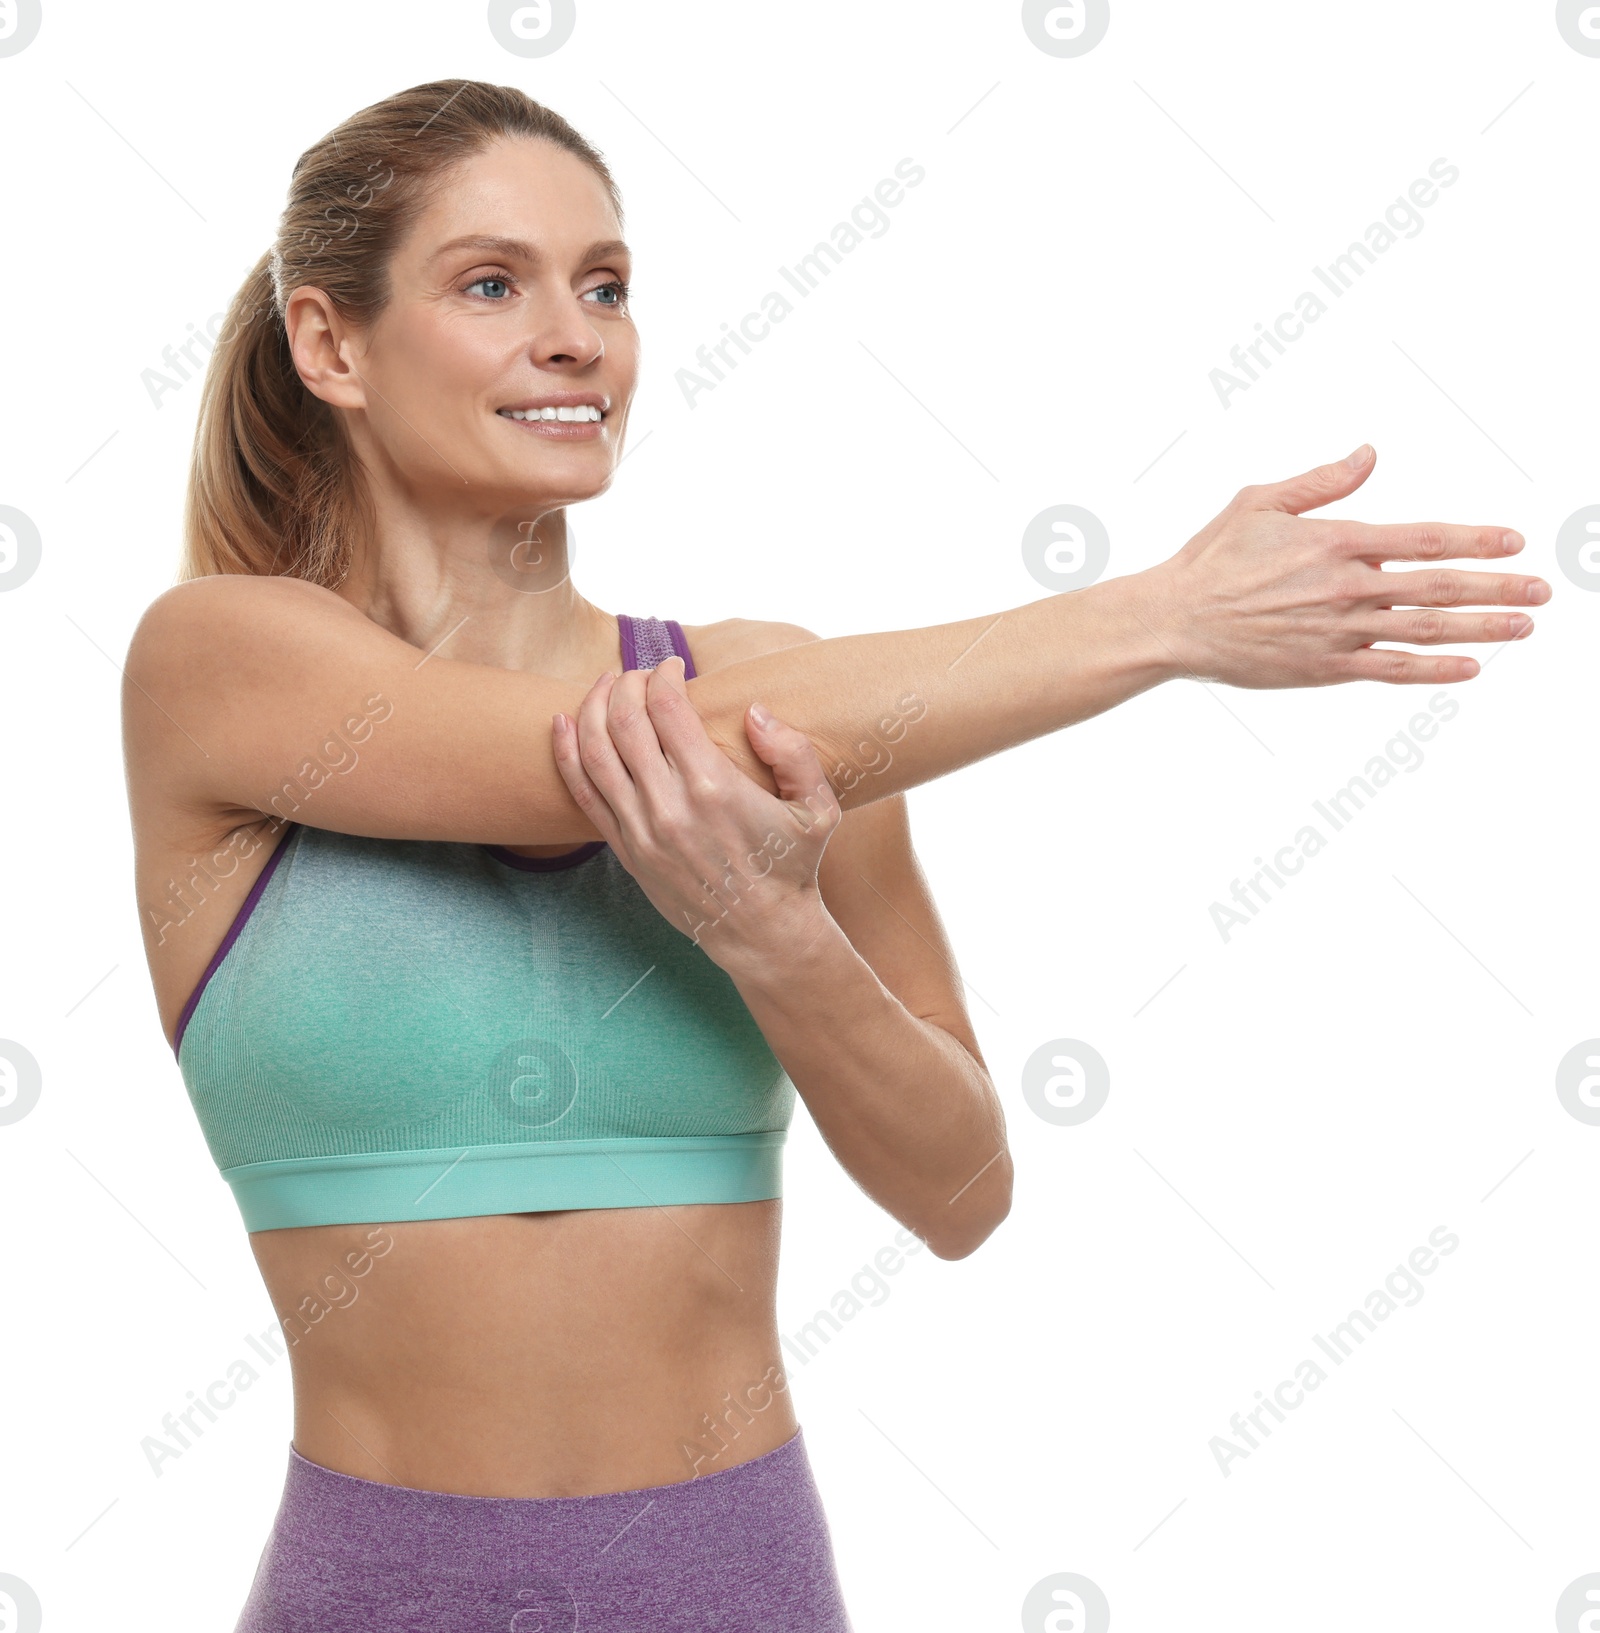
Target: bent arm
column 895, row 1080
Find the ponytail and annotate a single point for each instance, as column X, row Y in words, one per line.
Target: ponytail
column 272, row 488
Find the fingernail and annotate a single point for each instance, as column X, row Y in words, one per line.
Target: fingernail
column 759, row 715
column 1512, row 542
column 1538, row 591
column 1360, row 456
column 558, row 724
column 1520, row 627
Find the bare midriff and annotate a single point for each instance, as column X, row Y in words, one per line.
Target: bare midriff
column 535, row 1354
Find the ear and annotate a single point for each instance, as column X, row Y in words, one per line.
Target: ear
column 319, row 342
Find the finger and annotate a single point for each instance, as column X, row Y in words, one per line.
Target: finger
column 634, row 734
column 1319, row 487
column 588, row 798
column 690, row 749
column 1449, row 588
column 599, row 756
column 795, row 767
column 1406, row 668
column 1425, row 541
column 1445, row 628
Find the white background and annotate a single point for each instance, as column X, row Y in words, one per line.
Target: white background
column 1299, row 1107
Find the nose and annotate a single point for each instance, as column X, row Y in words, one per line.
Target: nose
column 564, row 338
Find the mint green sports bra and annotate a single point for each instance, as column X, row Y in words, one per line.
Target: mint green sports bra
column 399, row 1029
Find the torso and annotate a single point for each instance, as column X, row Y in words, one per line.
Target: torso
column 524, row 1355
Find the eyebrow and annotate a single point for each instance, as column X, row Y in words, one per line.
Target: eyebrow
column 520, row 249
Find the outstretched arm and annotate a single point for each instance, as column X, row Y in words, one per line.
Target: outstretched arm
column 234, row 683
column 1261, row 597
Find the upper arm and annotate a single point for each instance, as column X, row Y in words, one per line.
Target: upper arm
column 876, row 891
column 271, row 695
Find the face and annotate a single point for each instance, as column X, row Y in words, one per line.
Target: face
column 501, row 370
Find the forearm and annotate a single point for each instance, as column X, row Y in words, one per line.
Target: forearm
column 910, row 1114
column 889, row 711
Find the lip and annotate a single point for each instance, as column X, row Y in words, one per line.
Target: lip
column 560, row 430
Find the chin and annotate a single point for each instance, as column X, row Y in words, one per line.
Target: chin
column 551, row 489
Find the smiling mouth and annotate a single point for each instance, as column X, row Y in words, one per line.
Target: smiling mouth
column 583, row 413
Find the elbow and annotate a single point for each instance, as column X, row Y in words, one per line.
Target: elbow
column 963, row 1243
column 963, row 1230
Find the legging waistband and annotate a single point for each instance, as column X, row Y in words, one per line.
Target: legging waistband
column 742, row 1550
column 336, row 1508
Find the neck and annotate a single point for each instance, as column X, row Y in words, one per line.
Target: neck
column 488, row 590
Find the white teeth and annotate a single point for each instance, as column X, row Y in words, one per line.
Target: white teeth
column 584, row 413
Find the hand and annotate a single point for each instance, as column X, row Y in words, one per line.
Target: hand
column 720, row 858
column 1263, row 597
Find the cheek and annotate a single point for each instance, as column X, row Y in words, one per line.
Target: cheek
column 441, row 367
column 622, row 347
column 464, row 359
column 622, row 354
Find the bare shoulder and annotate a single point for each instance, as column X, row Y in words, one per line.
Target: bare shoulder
column 211, row 664
column 734, row 640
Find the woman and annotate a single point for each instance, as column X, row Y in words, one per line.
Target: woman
column 492, row 987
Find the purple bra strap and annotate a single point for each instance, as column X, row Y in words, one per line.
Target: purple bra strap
column 647, row 641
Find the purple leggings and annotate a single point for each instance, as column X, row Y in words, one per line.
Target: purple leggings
column 744, row 1550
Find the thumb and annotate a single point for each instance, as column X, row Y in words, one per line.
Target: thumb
column 673, row 677
column 795, row 767
column 1319, row 487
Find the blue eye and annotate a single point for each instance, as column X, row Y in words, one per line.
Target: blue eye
column 490, row 280
column 618, row 291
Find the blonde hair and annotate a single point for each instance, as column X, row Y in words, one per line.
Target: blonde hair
column 274, row 487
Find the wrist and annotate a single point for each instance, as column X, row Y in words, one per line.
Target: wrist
column 1142, row 615
column 781, row 948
